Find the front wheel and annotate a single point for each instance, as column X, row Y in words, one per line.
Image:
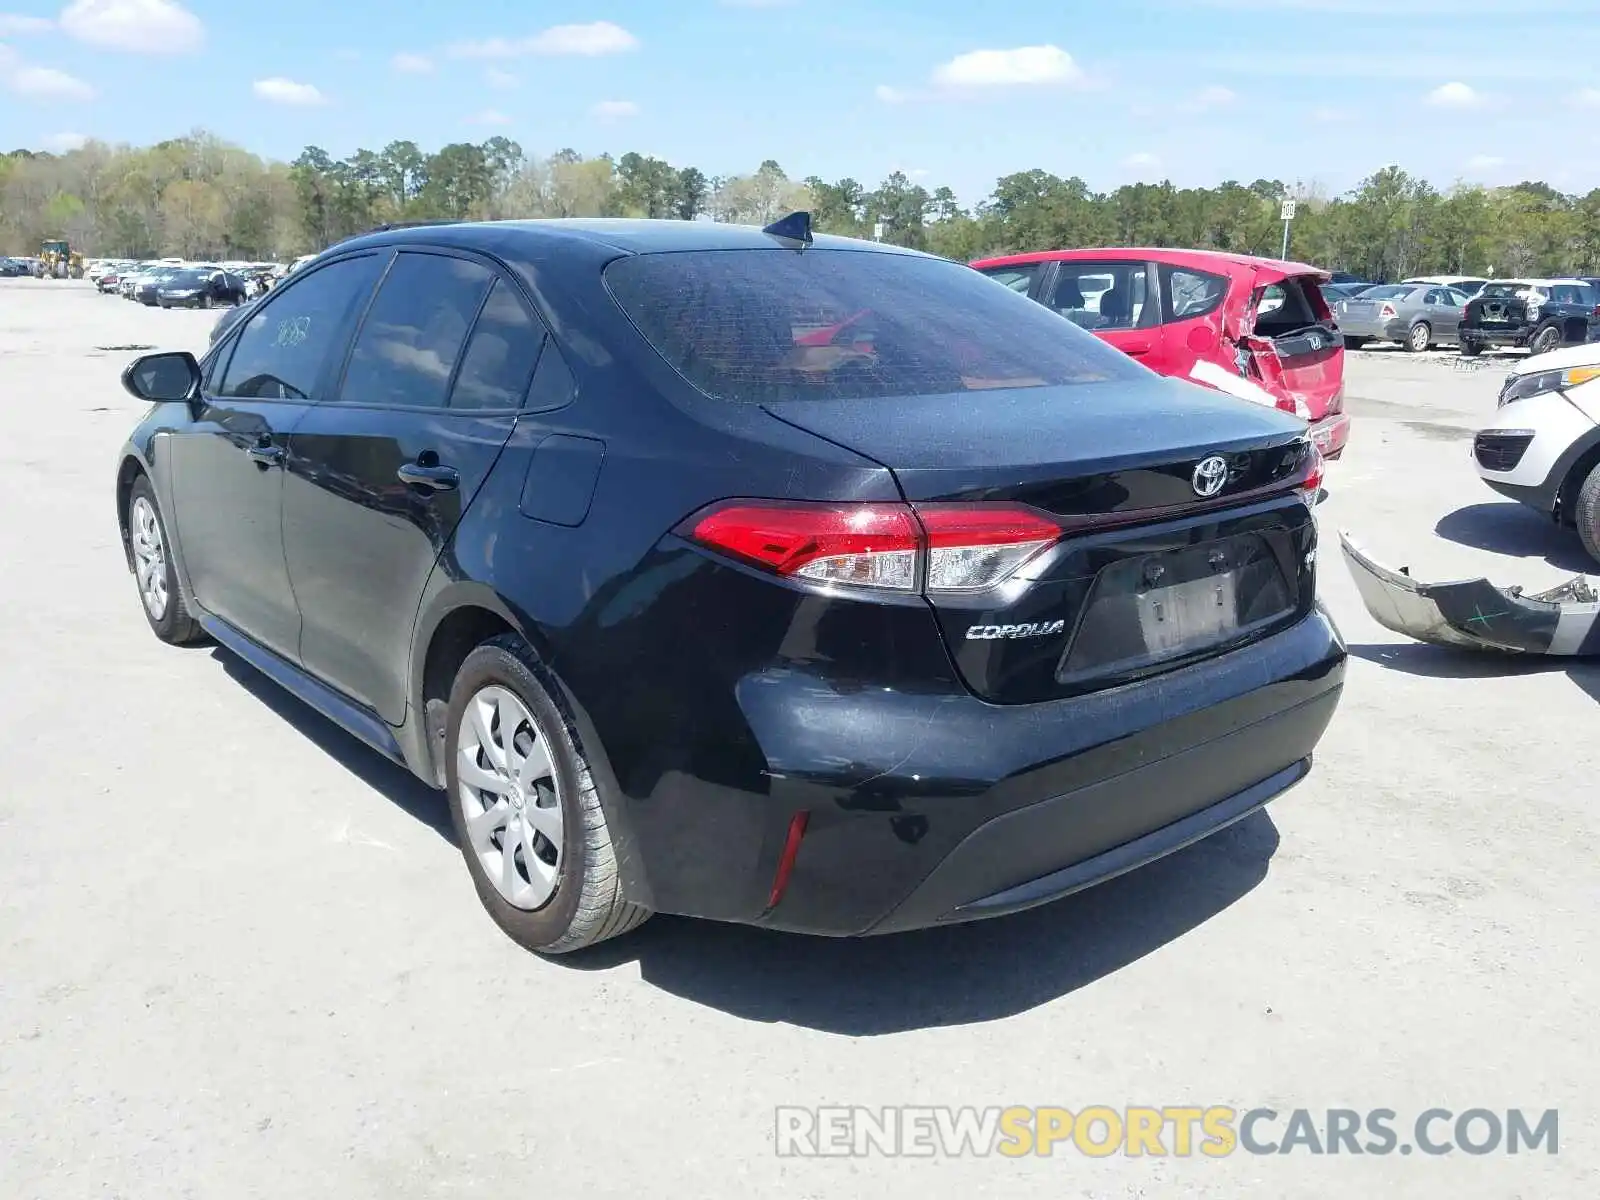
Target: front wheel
column 159, row 593
column 1419, row 338
column 205, row 301
column 526, row 813
column 1586, row 514
column 1546, row 340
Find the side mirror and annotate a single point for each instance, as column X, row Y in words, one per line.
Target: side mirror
column 163, row 378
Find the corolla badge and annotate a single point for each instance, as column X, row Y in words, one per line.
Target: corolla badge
column 1209, row 476
column 995, row 633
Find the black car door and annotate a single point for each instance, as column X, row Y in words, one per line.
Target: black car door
column 227, row 484
column 380, row 474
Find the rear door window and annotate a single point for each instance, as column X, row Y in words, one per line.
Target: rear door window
column 1103, row 295
column 774, row 325
column 1286, row 307
column 1187, row 293
column 405, row 353
column 501, row 356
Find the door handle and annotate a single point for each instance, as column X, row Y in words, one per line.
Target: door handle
column 1136, row 348
column 431, row 477
column 265, row 456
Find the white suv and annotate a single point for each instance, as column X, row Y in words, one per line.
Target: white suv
column 1543, row 446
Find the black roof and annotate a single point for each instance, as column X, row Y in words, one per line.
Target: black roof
column 621, row 234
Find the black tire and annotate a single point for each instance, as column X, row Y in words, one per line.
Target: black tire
column 1355, row 343
column 587, row 905
column 173, row 624
column 1546, row 340
column 1470, row 349
column 1586, row 514
column 205, row 301
column 1419, row 338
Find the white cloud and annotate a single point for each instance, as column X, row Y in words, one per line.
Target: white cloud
column 1026, row 65
column 613, row 110
column 1215, row 96
column 17, row 25
column 889, row 95
column 64, row 143
column 584, row 41
column 1326, row 114
column 1587, row 97
column 496, row 78
column 47, row 83
column 1484, row 162
column 412, row 64
column 1141, row 161
column 1454, row 95
column 278, row 90
column 139, row 26
column 489, row 116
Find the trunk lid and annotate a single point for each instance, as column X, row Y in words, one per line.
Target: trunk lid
column 1496, row 312
column 1287, row 341
column 1149, row 573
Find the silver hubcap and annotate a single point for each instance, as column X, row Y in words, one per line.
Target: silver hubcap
column 510, row 797
column 149, row 558
column 1419, row 338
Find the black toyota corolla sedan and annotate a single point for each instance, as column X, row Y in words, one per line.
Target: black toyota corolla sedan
column 737, row 573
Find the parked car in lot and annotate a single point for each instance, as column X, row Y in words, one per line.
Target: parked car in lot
column 1418, row 316
column 148, row 289
column 1543, row 446
column 1539, row 314
column 1256, row 328
column 201, row 288
column 689, row 610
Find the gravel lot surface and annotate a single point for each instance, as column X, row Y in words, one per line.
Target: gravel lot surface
column 239, row 955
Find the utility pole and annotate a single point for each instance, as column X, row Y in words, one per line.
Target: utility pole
column 1286, row 215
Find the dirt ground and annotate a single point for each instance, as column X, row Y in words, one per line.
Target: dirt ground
column 239, row 955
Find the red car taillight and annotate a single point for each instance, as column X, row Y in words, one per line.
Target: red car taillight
column 1311, row 485
column 894, row 547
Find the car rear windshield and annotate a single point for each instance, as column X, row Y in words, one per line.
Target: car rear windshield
column 1389, row 291
column 764, row 326
column 1505, row 289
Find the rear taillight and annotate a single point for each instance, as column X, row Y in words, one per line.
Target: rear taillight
column 1388, row 312
column 1311, row 484
column 936, row 548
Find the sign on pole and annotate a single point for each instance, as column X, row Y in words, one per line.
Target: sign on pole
column 1286, row 213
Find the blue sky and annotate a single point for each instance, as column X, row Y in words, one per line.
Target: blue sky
column 949, row 91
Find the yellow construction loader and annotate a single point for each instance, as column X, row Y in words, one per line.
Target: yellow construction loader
column 60, row 261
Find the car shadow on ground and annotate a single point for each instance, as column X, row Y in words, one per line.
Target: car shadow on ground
column 1449, row 662
column 1516, row 531
column 389, row 779
column 958, row 975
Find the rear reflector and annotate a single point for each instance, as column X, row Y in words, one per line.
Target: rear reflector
column 938, row 548
column 791, row 851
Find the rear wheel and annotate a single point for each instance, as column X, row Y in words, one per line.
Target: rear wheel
column 1419, row 338
column 1587, row 514
column 159, row 593
column 1470, row 349
column 526, row 813
column 1546, row 340
column 1354, row 343
column 205, row 301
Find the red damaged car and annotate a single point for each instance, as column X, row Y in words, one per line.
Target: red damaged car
column 1256, row 328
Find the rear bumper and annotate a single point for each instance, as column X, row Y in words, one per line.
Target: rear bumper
column 931, row 809
column 1520, row 336
column 1388, row 331
column 1331, row 433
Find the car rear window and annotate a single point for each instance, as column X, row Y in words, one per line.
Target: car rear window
column 1389, row 291
column 763, row 326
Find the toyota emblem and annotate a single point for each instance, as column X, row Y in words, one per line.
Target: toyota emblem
column 1210, row 474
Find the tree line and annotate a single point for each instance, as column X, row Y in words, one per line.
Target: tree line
column 201, row 197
